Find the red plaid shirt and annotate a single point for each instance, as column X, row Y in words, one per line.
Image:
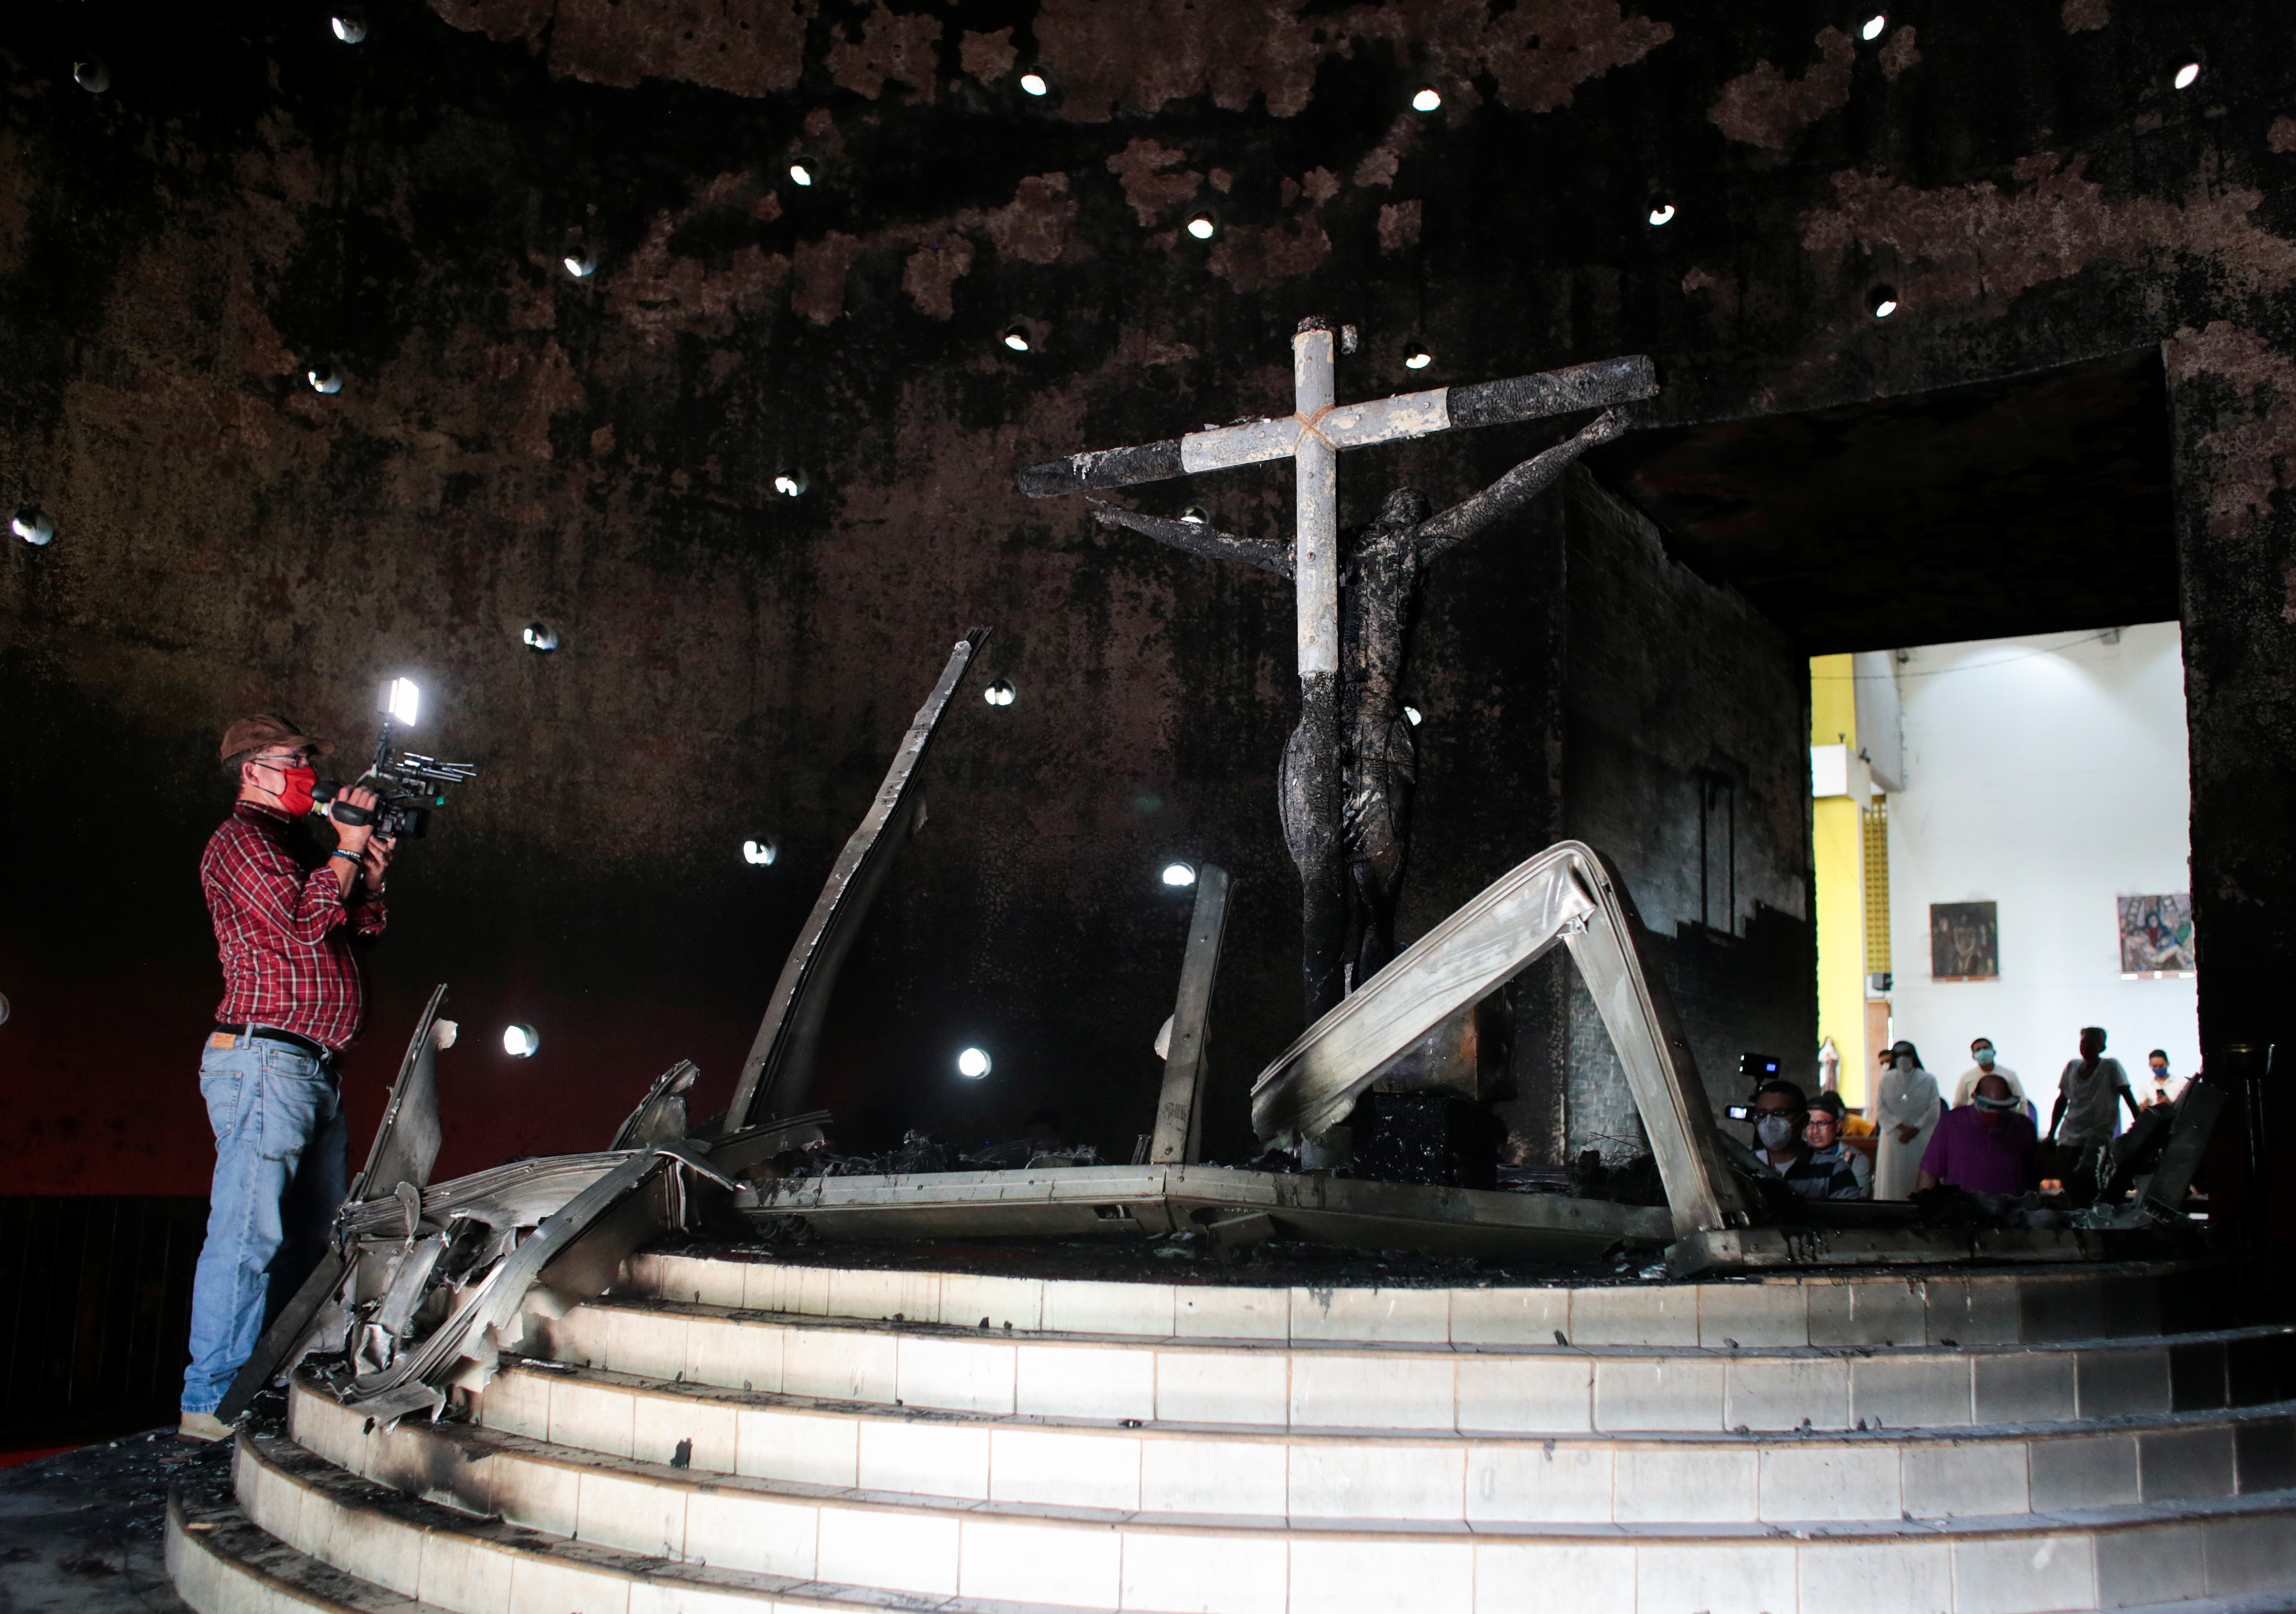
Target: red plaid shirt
column 284, row 930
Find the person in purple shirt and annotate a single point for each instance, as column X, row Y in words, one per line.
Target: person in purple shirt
column 1989, row 1147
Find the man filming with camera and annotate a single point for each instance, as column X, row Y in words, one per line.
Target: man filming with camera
column 285, row 925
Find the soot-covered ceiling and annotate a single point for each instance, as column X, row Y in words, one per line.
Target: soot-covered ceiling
column 2032, row 504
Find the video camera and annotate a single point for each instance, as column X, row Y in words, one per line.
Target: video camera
column 1753, row 1071
column 407, row 785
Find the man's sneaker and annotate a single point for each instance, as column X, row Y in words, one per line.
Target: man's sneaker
column 203, row 1427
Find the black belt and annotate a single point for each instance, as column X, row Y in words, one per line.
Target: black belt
column 325, row 1055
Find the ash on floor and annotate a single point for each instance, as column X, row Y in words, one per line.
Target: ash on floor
column 83, row 1532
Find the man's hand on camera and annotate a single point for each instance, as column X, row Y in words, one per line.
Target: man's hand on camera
column 353, row 836
column 375, row 858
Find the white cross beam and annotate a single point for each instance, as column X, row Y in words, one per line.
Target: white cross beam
column 1313, row 434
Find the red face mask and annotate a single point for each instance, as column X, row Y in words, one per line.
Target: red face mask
column 295, row 790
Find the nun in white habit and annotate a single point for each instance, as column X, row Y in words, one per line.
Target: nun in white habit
column 1905, row 1108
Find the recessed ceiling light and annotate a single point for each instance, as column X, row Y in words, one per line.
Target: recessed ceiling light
column 520, row 1042
column 1419, row 358
column 2188, row 75
column 1883, row 301
column 1178, row 874
column 972, row 1063
column 1203, row 227
column 1194, row 516
column 580, row 265
column 349, row 27
column 790, row 484
column 1017, row 339
column 1001, row 692
column 540, row 636
column 762, row 853
column 32, row 526
column 92, row 76
column 1874, row 24
column 1034, row 83
column 1661, row 213
column 1426, row 100
column 324, row 378
column 801, row 172
column 1411, row 716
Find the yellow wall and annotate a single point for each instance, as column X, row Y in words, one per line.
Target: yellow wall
column 1839, row 844
column 1833, row 701
column 1839, row 867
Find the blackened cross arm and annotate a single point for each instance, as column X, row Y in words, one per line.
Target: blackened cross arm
column 1388, row 419
column 1513, row 490
column 1200, row 538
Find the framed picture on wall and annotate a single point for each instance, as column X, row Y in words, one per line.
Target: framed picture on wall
column 2156, row 937
column 1964, row 941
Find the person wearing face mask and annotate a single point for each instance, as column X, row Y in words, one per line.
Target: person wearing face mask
column 1987, row 1147
column 1906, row 1106
column 2165, row 1086
column 1823, row 1133
column 1981, row 1051
column 1780, row 1114
column 284, row 925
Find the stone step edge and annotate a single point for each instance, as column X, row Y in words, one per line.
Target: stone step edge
column 625, row 1305
column 211, row 1540
column 219, row 1529
column 543, row 1370
column 878, row 1292
column 323, row 1497
column 2250, row 1602
column 234, row 1544
column 2020, row 1273
column 474, row 1445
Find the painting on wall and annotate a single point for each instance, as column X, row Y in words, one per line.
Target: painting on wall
column 1964, row 941
column 2156, row 937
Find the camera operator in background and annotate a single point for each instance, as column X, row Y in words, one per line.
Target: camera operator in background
column 1780, row 1117
column 284, row 925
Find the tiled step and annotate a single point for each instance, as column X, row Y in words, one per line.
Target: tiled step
column 1206, row 1468
column 636, row 1528
column 1543, row 1389
column 1968, row 1307
column 223, row 1563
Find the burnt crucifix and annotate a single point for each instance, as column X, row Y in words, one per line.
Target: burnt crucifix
column 1348, row 770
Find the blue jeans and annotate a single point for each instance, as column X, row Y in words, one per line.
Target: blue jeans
column 279, row 1178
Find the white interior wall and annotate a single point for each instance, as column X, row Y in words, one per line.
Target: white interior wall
column 2046, row 774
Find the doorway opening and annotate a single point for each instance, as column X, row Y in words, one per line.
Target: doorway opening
column 1985, row 579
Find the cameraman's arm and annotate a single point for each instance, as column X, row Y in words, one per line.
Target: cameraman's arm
column 350, row 842
column 298, row 904
column 368, row 916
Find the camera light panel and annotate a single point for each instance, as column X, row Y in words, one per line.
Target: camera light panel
column 401, row 701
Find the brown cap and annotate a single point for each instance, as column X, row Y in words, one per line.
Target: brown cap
column 263, row 729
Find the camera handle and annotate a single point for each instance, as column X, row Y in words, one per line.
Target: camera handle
column 323, row 794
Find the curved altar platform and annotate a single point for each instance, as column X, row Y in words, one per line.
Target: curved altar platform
column 731, row 1433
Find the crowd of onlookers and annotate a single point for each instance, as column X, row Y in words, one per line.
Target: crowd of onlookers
column 1988, row 1140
